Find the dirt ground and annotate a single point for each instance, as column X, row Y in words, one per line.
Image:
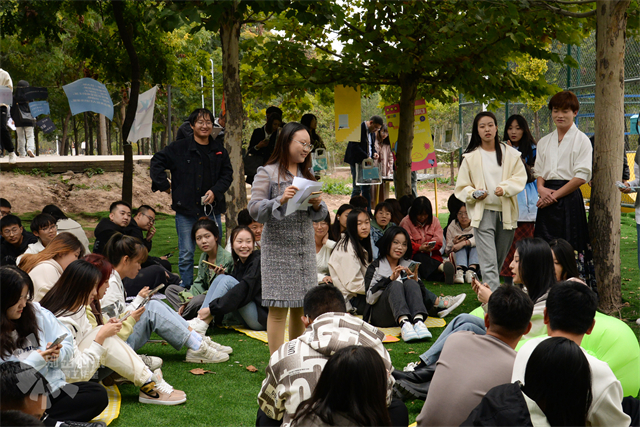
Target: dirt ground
column 77, row 192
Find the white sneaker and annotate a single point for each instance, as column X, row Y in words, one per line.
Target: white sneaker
column 30, row 153
column 161, row 393
column 638, row 321
column 206, row 354
column 152, row 362
column 459, row 277
column 218, row 347
column 12, row 158
column 407, row 332
column 468, row 276
column 422, row 330
column 198, row 325
column 454, row 302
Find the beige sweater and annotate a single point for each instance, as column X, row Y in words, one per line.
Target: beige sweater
column 44, row 276
column 471, row 178
column 347, row 273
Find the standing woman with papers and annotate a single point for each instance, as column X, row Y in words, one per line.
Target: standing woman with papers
column 288, row 245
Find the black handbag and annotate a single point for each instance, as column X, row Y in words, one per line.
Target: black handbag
column 252, row 161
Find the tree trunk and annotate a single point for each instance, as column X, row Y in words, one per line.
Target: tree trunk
column 36, row 136
column 65, row 134
column 90, row 141
column 453, row 170
column 155, row 142
column 75, row 136
column 86, row 132
column 103, row 135
column 536, row 125
column 604, row 216
column 126, row 34
column 408, row 93
column 237, row 193
column 109, row 132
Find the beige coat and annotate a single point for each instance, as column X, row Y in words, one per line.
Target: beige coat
column 471, row 178
column 347, row 273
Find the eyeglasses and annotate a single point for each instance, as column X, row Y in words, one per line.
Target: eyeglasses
column 151, row 219
column 11, row 231
column 202, row 123
column 462, row 214
column 306, row 146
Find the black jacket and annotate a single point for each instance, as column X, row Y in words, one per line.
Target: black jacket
column 358, row 151
column 134, row 230
column 503, row 405
column 10, row 253
column 103, row 232
column 183, row 160
column 249, row 289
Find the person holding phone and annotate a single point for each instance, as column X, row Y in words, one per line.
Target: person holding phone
column 68, row 300
column 461, row 242
column 491, row 176
column 426, row 239
column 27, row 332
column 394, row 295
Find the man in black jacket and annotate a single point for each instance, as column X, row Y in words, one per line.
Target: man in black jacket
column 201, row 173
column 15, row 239
column 365, row 149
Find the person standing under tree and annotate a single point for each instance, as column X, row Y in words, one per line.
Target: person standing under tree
column 563, row 164
column 201, row 173
column 5, row 136
column 364, row 149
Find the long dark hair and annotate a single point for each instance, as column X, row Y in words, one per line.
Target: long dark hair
column 281, row 152
column 335, row 231
column 13, row 281
column 106, row 269
column 234, row 233
column 526, row 142
column 71, row 292
column 209, row 225
column 419, row 206
column 272, row 118
column 566, row 258
column 353, row 384
column 536, row 266
column 558, row 379
column 351, row 237
column 54, row 211
column 384, row 244
column 306, row 120
column 476, row 141
column 396, row 210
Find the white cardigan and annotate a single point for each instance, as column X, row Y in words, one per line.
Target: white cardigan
column 44, row 276
column 347, row 273
column 471, row 178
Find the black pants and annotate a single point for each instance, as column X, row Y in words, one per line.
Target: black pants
column 5, row 136
column 154, row 260
column 150, row 276
column 192, row 308
column 399, row 299
column 631, row 407
column 81, row 401
column 428, row 269
column 398, row 413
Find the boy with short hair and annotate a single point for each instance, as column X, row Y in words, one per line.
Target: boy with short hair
column 44, row 227
column 15, row 239
column 5, row 207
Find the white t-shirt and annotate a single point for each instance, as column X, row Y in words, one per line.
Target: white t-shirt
column 606, row 407
column 492, row 172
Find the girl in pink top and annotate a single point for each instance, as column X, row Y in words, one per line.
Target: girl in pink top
column 426, row 238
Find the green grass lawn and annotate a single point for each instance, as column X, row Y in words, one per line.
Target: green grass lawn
column 228, row 395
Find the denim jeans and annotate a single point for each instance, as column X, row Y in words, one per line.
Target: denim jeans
column 161, row 319
column 223, row 284
column 467, row 256
column 187, row 246
column 462, row 322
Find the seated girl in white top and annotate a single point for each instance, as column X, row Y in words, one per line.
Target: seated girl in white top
column 340, row 222
column 46, row 267
column 126, row 253
column 28, row 330
column 80, row 283
column 351, row 257
column 324, row 246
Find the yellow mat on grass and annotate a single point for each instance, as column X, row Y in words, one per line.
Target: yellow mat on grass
column 392, row 334
column 112, row 411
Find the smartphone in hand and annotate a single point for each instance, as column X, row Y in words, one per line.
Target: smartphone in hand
column 57, row 341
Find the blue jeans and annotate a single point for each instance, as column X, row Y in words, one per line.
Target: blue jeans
column 462, row 322
column 223, row 284
column 187, row 246
column 161, row 319
column 360, row 189
column 467, row 256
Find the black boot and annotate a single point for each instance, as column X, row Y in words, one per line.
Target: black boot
column 409, row 390
column 421, row 373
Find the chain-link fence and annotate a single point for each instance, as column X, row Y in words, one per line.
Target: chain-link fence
column 581, row 81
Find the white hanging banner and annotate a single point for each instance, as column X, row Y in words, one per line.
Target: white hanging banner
column 141, row 127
